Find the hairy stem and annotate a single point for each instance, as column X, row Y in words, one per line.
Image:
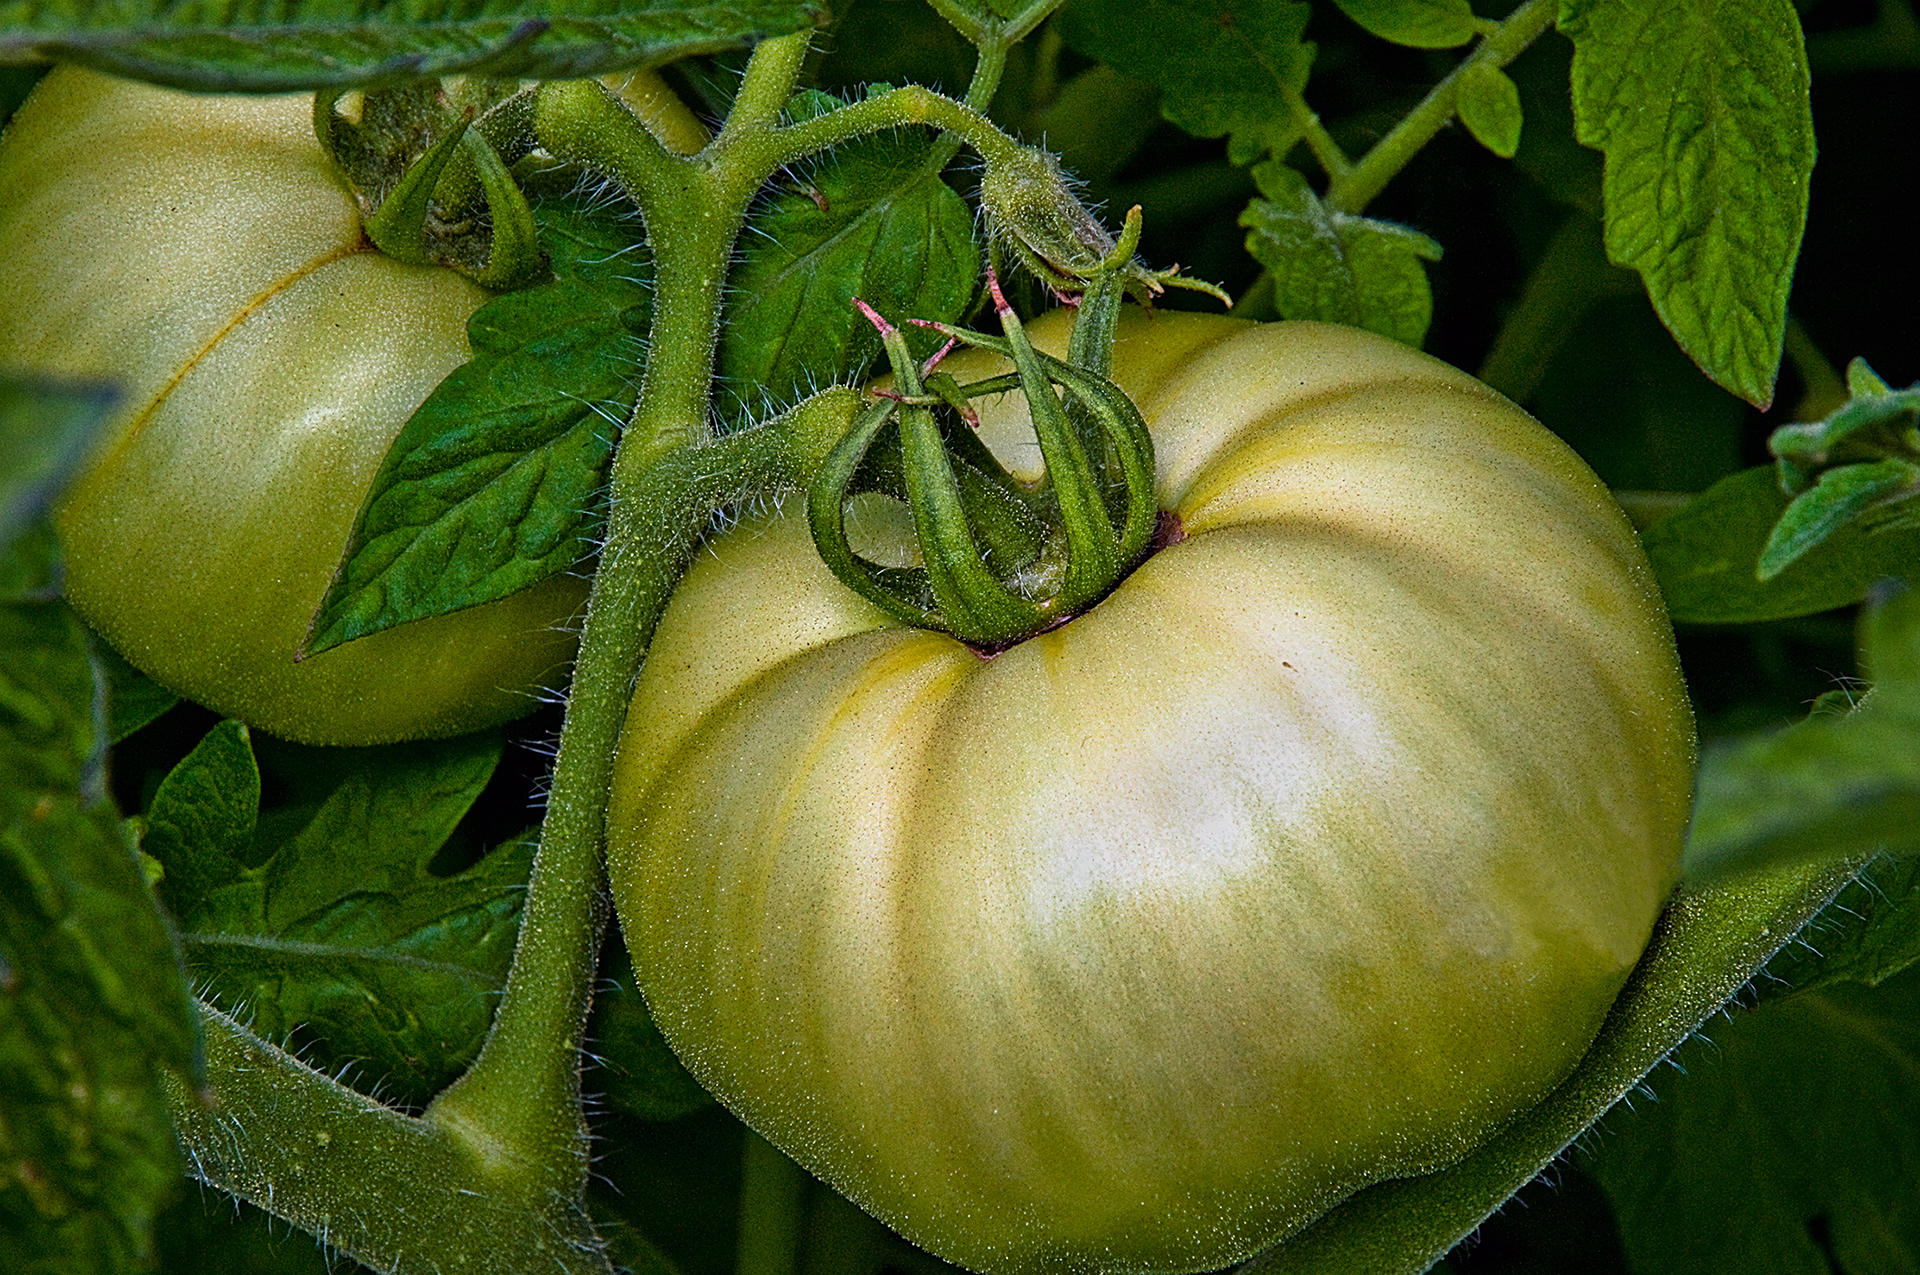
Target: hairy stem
column 401, row 1195
column 520, row 1099
column 1355, row 189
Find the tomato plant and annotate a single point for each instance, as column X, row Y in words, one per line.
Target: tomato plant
column 1198, row 796
column 1296, row 863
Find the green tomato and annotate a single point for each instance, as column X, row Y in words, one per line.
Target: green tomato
column 201, row 253
column 1309, row 857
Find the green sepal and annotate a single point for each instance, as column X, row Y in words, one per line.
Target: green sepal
column 399, row 226
column 514, row 257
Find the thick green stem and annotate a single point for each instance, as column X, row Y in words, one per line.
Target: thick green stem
column 1354, row 190
column 519, row 1102
column 398, row 1194
column 520, row 1099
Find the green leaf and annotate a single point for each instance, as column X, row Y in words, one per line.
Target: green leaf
column 497, row 481
column 1842, row 498
column 1335, row 266
column 200, row 823
column 875, row 222
column 134, row 700
column 1708, row 943
column 1784, row 1145
column 30, row 565
column 1842, row 784
column 1869, row 933
column 637, row 1070
column 92, row 994
column 1706, row 557
column 1873, row 423
column 1863, row 381
column 1701, row 107
column 1828, row 788
column 1489, row 106
column 343, row 930
column 1228, row 68
column 256, row 46
column 45, row 430
column 1419, row 24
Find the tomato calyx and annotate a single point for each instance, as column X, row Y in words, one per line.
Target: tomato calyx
column 1002, row 559
column 429, row 167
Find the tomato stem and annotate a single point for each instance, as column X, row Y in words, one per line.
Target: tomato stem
column 1352, row 190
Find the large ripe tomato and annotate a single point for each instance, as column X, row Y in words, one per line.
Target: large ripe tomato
column 201, row 253
column 1307, row 858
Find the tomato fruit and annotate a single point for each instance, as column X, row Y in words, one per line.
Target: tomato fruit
column 201, row 252
column 1308, row 857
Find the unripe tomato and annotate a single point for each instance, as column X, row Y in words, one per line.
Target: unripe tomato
column 201, row 252
column 1307, row 858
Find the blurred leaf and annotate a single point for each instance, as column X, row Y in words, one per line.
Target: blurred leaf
column 1863, row 381
column 134, row 700
column 45, row 430
column 1842, row 497
column 873, row 220
column 637, row 1071
column 1783, row 1143
column 263, row 47
column 498, row 479
column 1701, row 107
column 1419, row 24
column 1335, row 266
column 1707, row 555
column 208, row 1232
column 1489, row 106
column 1228, row 68
column 92, row 994
column 342, row 931
column 30, row 565
column 1829, row 788
column 1842, row 784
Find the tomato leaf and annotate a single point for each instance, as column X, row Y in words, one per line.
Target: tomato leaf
column 1419, row 24
column 258, row 47
column 873, row 220
column 1839, row 785
column 1833, row 786
column 45, row 430
column 134, row 700
column 1489, row 106
column 1868, row 934
column 1843, row 496
column 637, row 1070
column 1778, row 1142
column 1707, row 557
column 1229, row 68
column 496, row 481
column 325, row 917
column 92, row 994
column 1702, row 111
column 1336, row 266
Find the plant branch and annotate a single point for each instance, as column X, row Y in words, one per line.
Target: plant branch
column 398, row 1194
column 1353, row 190
column 520, row 1100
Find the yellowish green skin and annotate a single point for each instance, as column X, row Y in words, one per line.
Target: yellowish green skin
column 1305, row 859
column 201, row 253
